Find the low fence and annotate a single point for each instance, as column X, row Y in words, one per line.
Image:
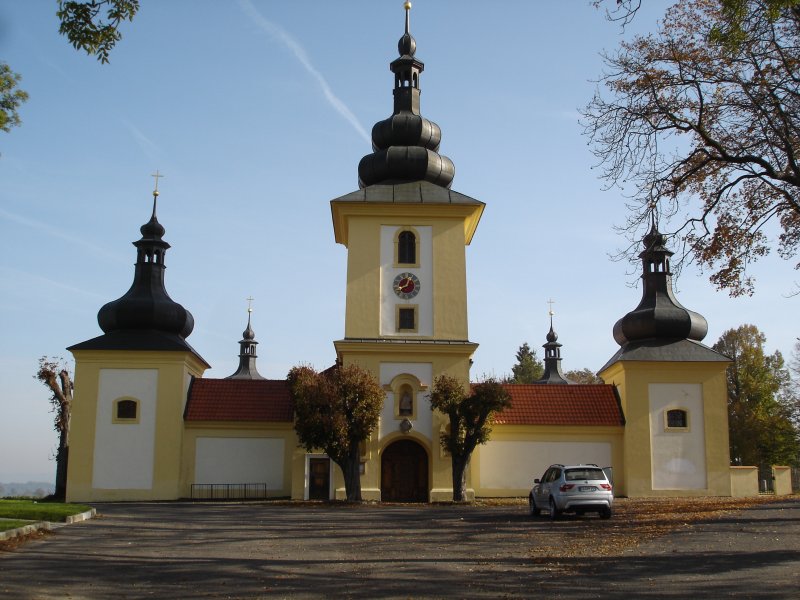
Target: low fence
column 229, row 491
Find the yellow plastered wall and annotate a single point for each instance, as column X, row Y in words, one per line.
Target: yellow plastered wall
column 445, row 359
column 744, row 481
column 358, row 225
column 174, row 372
column 633, row 379
column 362, row 315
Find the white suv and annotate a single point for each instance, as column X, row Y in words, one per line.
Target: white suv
column 572, row 488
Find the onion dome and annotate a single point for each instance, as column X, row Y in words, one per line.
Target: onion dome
column 146, row 306
column 659, row 315
column 247, row 353
column 406, row 144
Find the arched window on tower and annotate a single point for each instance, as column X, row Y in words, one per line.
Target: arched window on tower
column 126, row 410
column 407, row 248
column 677, row 418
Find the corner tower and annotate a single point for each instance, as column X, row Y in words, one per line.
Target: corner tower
column 406, row 307
column 130, row 388
column 672, row 388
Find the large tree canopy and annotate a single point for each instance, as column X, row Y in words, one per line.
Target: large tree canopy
column 336, row 411
column 701, row 122
column 759, row 401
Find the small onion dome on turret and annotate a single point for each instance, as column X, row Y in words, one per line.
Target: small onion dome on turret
column 552, row 359
column 146, row 306
column 659, row 315
column 406, row 144
column 247, row 354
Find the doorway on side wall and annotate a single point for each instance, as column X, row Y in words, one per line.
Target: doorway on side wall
column 319, row 478
column 404, row 472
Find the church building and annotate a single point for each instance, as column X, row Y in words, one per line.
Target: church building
column 146, row 424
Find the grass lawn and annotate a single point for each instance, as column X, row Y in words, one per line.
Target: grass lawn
column 31, row 510
column 6, row 524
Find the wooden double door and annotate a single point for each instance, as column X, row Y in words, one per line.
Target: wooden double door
column 404, row 472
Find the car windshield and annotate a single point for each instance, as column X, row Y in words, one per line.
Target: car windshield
column 582, row 473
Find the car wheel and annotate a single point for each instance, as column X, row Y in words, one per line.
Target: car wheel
column 605, row 513
column 532, row 506
column 554, row 512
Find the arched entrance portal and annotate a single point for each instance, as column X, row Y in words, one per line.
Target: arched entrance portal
column 404, row 472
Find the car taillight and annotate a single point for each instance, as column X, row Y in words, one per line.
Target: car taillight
column 605, row 486
column 565, row 487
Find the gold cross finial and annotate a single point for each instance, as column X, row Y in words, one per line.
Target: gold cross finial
column 249, row 304
column 551, row 302
column 157, row 176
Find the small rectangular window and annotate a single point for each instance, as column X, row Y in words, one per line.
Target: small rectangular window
column 407, row 319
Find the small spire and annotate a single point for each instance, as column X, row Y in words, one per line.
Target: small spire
column 157, row 176
column 247, row 350
column 407, row 6
column 552, row 355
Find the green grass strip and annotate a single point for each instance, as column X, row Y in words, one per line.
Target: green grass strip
column 6, row 524
column 56, row 512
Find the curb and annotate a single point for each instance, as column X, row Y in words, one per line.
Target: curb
column 46, row 525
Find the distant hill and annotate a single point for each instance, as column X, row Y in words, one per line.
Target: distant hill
column 37, row 489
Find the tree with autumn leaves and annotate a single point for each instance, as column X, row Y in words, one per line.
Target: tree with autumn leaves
column 700, row 121
column 762, row 407
column 335, row 411
column 469, row 418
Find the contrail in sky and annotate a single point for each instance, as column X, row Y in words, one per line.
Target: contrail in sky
column 54, row 232
column 300, row 54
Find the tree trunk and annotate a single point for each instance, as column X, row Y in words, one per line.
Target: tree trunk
column 459, row 464
column 352, row 474
column 62, row 459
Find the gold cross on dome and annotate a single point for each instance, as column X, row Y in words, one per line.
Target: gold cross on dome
column 157, row 176
column 249, row 304
column 551, row 302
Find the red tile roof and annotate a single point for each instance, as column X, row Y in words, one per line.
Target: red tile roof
column 542, row 404
column 239, row 400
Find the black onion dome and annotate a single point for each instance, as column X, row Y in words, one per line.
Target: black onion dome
column 407, row 46
column 146, row 306
column 659, row 314
column 248, row 334
column 552, row 336
column 406, row 144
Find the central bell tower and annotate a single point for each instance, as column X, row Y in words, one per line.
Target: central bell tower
column 406, row 234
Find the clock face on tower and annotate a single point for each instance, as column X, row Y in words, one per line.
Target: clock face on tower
column 406, row 285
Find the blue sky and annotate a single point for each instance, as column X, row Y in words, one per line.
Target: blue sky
column 257, row 113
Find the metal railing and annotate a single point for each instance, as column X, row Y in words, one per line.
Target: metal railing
column 229, row 491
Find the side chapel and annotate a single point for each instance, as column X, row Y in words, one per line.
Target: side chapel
column 146, row 424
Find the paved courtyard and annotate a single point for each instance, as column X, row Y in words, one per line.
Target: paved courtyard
column 184, row 550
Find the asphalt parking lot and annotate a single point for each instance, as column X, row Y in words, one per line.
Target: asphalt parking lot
column 185, row 550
